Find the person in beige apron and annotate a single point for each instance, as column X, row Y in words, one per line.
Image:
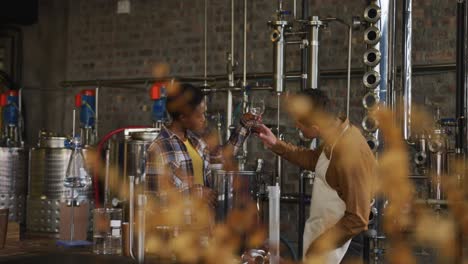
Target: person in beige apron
column 343, row 185
column 326, row 208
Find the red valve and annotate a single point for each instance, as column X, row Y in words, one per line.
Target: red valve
column 3, row 100
column 12, row 93
column 78, row 100
column 88, row 92
column 155, row 91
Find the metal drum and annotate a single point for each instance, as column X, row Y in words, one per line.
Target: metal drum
column 235, row 189
column 48, row 165
column 136, row 145
column 13, row 182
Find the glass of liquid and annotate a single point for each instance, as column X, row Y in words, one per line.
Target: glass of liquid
column 107, row 231
column 257, row 108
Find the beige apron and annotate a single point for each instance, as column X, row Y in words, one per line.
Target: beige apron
column 326, row 209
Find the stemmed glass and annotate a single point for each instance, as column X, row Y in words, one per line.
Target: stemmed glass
column 257, row 108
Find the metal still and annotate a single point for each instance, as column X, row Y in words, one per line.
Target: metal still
column 234, row 189
column 47, row 168
column 13, row 182
column 136, row 144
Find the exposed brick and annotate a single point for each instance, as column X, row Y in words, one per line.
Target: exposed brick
column 101, row 44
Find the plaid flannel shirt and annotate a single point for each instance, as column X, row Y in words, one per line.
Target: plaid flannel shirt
column 167, row 155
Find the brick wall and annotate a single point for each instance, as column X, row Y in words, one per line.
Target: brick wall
column 101, row 44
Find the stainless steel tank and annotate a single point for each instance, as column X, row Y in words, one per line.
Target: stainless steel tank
column 235, row 189
column 13, row 182
column 136, row 145
column 47, row 168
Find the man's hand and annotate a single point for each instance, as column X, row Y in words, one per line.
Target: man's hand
column 265, row 134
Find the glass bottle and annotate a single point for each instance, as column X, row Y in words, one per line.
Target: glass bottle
column 77, row 175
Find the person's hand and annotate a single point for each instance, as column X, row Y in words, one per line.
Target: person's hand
column 249, row 120
column 265, row 134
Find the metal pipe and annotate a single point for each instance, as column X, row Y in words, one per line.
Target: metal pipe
column 232, row 28
column 462, row 121
column 205, row 40
column 295, row 33
column 383, row 46
column 277, row 37
column 294, row 42
column 72, row 214
column 460, row 141
column 291, row 198
column 279, row 167
column 348, row 94
column 131, row 211
column 301, row 214
column 245, row 97
column 20, row 117
column 236, row 89
column 73, row 125
column 141, row 228
column 205, row 33
column 418, row 70
column 391, row 57
column 313, row 77
column 294, row 8
column 20, row 96
column 274, row 194
column 96, row 122
column 304, row 50
column 106, row 179
column 280, row 5
column 244, row 73
column 406, row 68
column 302, row 189
column 231, row 78
column 377, row 37
column 228, row 114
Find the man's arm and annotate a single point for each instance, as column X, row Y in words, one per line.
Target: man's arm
column 302, row 157
column 354, row 178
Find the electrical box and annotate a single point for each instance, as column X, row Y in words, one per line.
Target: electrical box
column 123, row 7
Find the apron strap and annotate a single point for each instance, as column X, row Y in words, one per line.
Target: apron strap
column 336, row 141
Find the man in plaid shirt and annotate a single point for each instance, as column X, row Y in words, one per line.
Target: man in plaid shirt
column 179, row 154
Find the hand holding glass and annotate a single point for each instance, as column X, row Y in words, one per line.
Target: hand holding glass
column 257, row 108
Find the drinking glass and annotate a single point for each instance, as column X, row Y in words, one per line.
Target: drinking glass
column 257, row 106
column 107, row 231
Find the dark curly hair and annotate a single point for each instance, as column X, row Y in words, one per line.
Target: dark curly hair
column 183, row 100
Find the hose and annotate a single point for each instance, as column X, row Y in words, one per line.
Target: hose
column 99, row 150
